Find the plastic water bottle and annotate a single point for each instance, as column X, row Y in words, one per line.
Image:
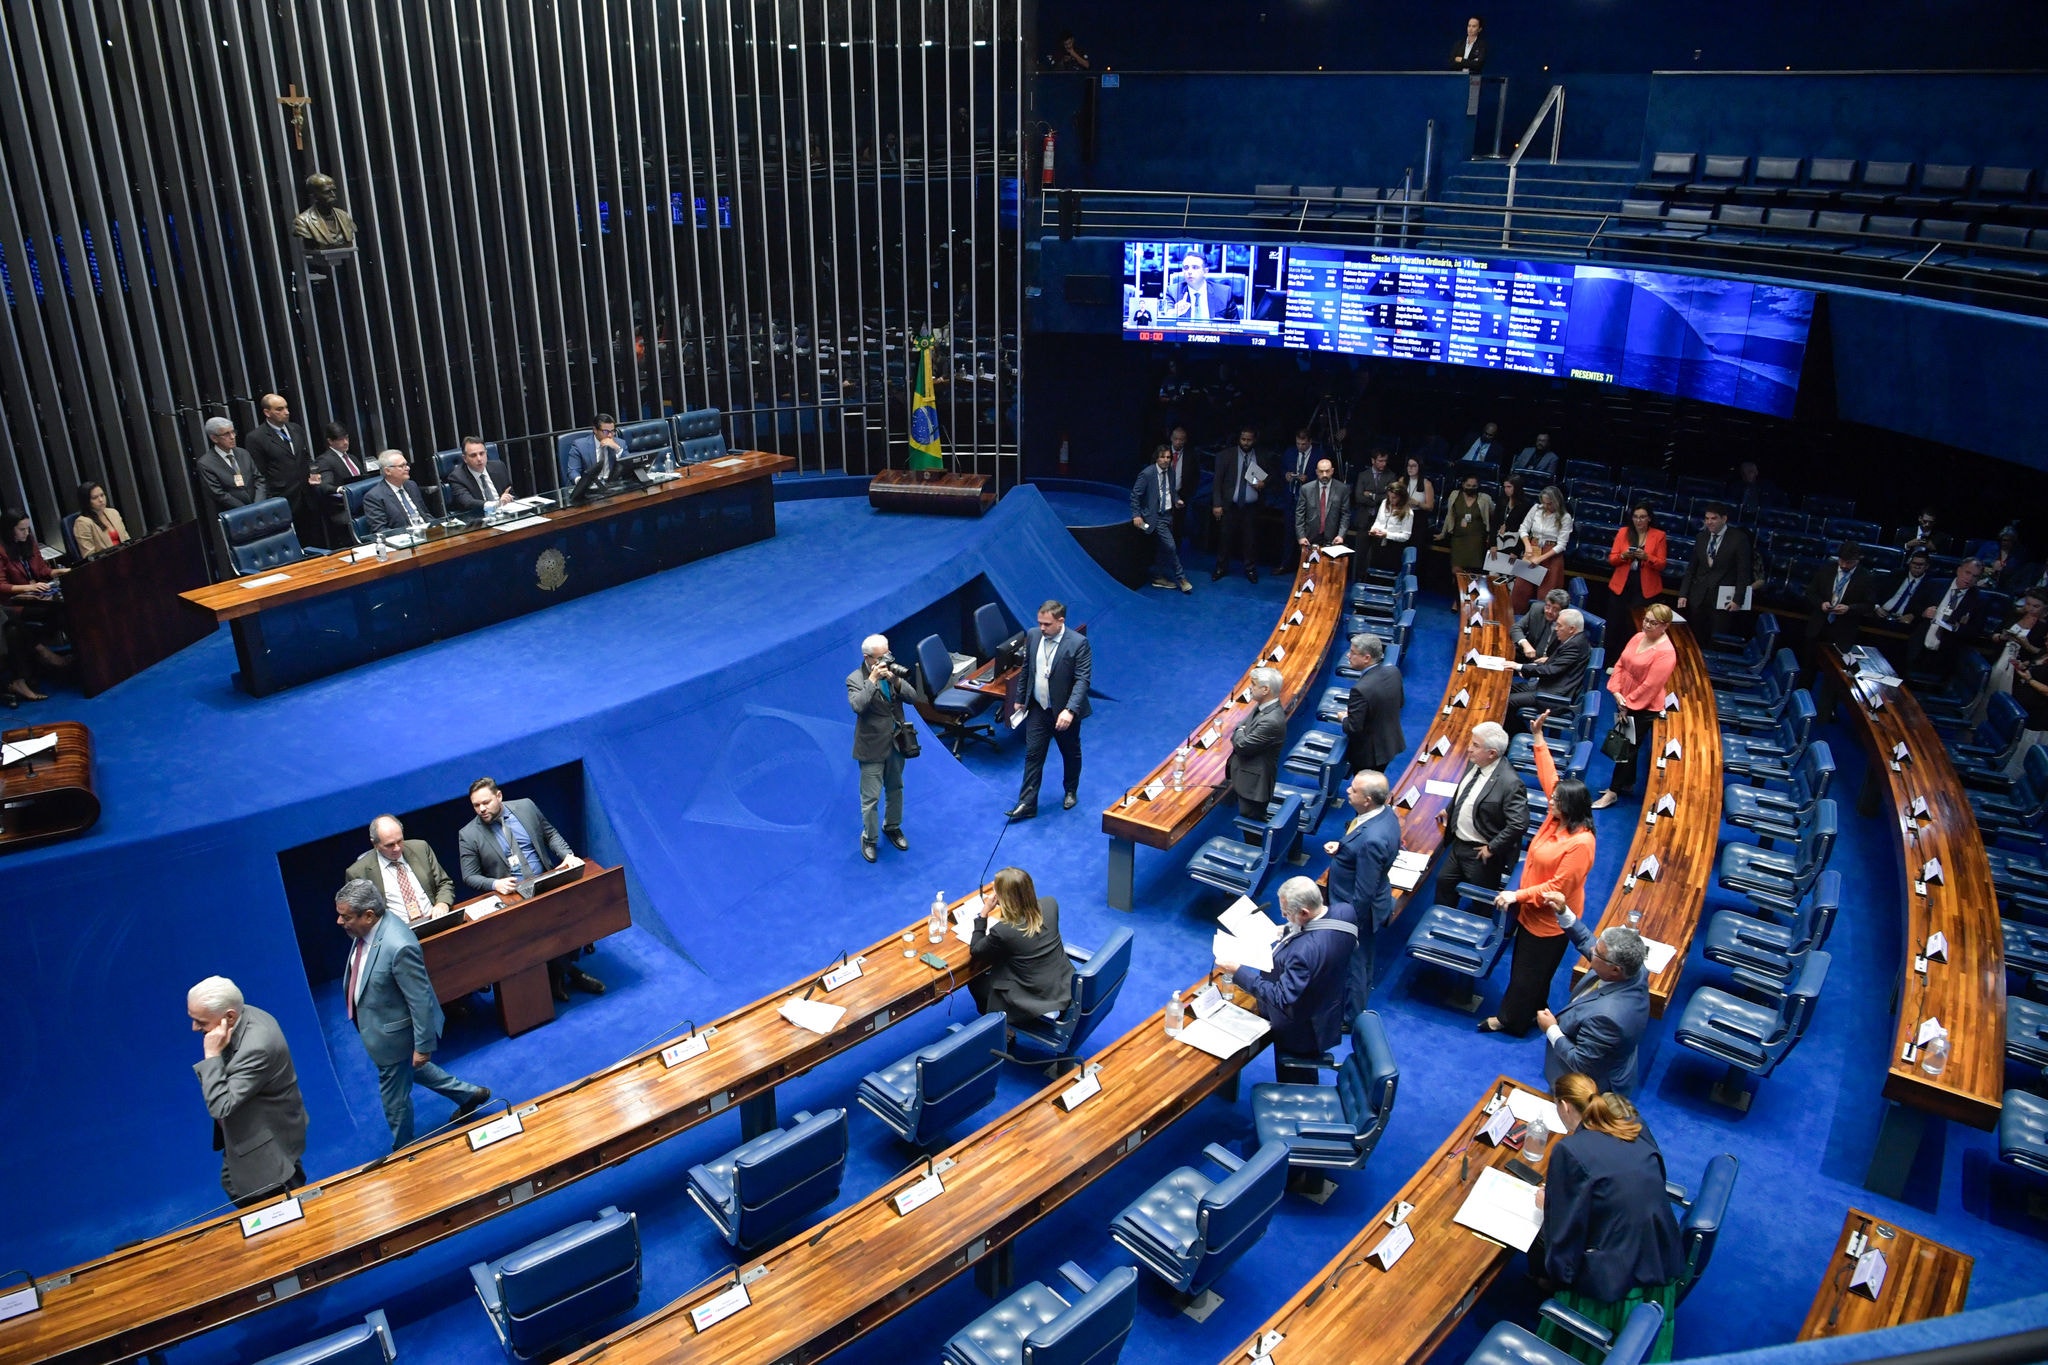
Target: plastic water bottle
column 1180, row 768
column 1635, row 917
column 1535, row 1139
column 383, row 548
column 935, row 922
column 1176, row 1015
column 1934, row 1056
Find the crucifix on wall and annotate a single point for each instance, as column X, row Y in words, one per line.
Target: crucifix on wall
column 295, row 104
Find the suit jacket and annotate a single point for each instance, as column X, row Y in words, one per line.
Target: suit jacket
column 1539, row 630
column 1254, row 763
column 384, row 511
column 396, row 1012
column 1359, row 868
column 1843, row 630
column 1473, row 64
column 1607, row 1222
column 420, row 858
column 1145, row 501
column 1372, row 489
column 219, row 479
column 259, row 1118
column 1222, row 302
column 874, row 730
column 1925, row 593
column 1315, row 524
column 1564, row 670
column 483, row 862
column 1229, row 468
column 579, row 453
column 284, row 465
column 1303, row 996
column 1601, row 1023
column 1073, row 663
column 1372, row 719
column 1028, row 977
column 1703, row 581
column 1965, row 622
column 1500, row 812
column 465, row 494
column 1656, row 554
column 1540, row 467
column 335, row 473
column 1476, row 449
column 93, row 539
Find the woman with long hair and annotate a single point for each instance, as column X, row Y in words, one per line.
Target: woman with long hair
column 1018, row 936
column 1392, row 528
column 99, row 527
column 1638, row 555
column 32, row 608
column 1553, row 880
column 1546, row 534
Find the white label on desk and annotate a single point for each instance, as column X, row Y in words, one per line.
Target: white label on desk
column 1471, row 656
column 1411, row 858
column 1391, row 1246
column 19, row 1302
column 265, row 581
column 1930, row 871
column 1930, row 1029
column 1152, row 791
column 719, row 1307
column 1296, row 619
column 1308, row 585
column 1900, row 753
column 504, row 1126
column 1876, row 701
column 276, row 1216
column 1210, row 736
column 840, row 975
column 1673, row 749
column 1919, row 806
column 1937, row 946
column 1085, row 1088
column 1667, row 804
column 490, row 905
column 1499, row 1126
column 1436, row 788
column 1670, row 702
column 1464, row 698
column 357, row 556
column 1869, row 1276
column 1442, row 747
column 1279, row 653
column 728, row 462
column 1245, row 695
column 1409, row 798
column 920, row 1194
column 696, row 1045
column 1649, row 867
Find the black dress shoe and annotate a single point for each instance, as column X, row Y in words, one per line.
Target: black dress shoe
column 1067, row 801
column 1251, row 575
column 475, row 1102
column 1217, row 576
column 585, row 982
column 867, row 850
column 895, row 836
column 558, row 988
column 1020, row 811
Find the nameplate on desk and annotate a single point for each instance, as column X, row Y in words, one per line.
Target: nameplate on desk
column 1151, row 791
column 20, row 1302
column 1670, row 702
column 1499, row 1126
column 1279, row 653
column 1315, row 557
column 1868, row 1278
column 1875, row 701
column 719, row 1307
column 840, row 975
column 917, row 1196
column 1245, row 695
column 1930, row 871
column 1673, row 749
column 1209, row 736
column 1937, row 947
column 497, row 1130
column 1667, row 804
column 489, row 906
column 1296, row 619
column 1919, row 806
column 1442, row 747
column 1930, row 1029
column 1648, row 868
column 1085, row 1088
column 1307, row 585
column 1436, row 788
column 1900, row 753
column 1410, row 797
column 361, row 553
column 275, row 1216
column 1464, row 698
column 675, row 1054
column 1912, row 831
column 265, row 581
column 1471, row 656
column 1391, row 1246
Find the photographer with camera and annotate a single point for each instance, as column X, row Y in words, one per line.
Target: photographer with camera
column 882, row 739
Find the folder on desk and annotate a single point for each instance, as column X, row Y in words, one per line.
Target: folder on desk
column 1502, row 1209
column 1225, row 1032
column 814, row 1015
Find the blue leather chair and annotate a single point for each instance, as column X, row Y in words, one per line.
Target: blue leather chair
column 560, row 1287
column 1772, row 753
column 1751, row 1038
column 2021, row 809
column 699, row 435
column 1240, row 869
column 69, row 527
column 1700, row 1226
column 1189, row 1229
column 991, row 628
column 1512, row 1344
column 1037, row 1326
column 2020, row 878
column 1334, row 1127
column 654, row 435
column 352, row 497
column 2026, row 946
column 957, row 710
column 1980, row 758
column 1764, row 955
column 1378, row 609
column 1772, row 814
column 1098, row 980
column 1740, row 701
column 261, row 537
column 1774, row 879
column 926, row 1093
column 1468, row 940
column 2023, row 1130
column 1746, row 666
column 1314, row 771
column 765, row 1184
column 1949, row 704
column 2026, row 1031
column 367, row 1343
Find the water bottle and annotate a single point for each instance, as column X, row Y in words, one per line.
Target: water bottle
column 1934, row 1056
column 383, row 548
column 935, row 922
column 1176, row 1015
column 1635, row 917
column 1180, row 768
column 1535, row 1139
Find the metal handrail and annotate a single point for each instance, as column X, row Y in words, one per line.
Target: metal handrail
column 1553, row 100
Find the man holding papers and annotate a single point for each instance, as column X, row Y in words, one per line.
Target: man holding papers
column 1716, row 577
column 1595, row 1034
column 1359, row 866
column 1302, row 996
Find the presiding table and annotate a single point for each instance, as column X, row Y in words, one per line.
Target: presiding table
column 1922, row 1279
column 332, row 612
column 47, row 796
column 510, row 947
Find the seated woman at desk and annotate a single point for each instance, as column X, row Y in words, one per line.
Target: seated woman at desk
column 1018, row 937
column 34, row 613
column 99, row 527
column 1610, row 1240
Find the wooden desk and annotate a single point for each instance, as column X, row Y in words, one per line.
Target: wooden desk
column 829, row 1286
column 333, row 612
column 159, row 1292
column 1405, row 1312
column 1685, row 845
column 1923, row 1279
column 1162, row 822
column 1967, row 993
column 510, row 948
column 124, row 609
column 48, row 797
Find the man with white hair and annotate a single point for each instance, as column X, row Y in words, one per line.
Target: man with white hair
column 1254, row 764
column 1484, row 822
column 1560, row 672
column 227, row 471
column 1303, row 997
column 396, row 504
column 876, row 691
column 245, row 1073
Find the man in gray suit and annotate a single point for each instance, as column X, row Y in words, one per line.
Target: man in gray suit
column 1255, row 744
column 392, row 1005
column 245, row 1073
column 414, row 883
column 509, row 842
column 1597, row 1031
column 876, row 691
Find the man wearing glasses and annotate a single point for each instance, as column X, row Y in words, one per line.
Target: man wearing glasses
column 599, row 445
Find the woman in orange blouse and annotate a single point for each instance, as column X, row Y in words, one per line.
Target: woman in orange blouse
column 1638, row 556
column 1560, row 856
column 1638, row 681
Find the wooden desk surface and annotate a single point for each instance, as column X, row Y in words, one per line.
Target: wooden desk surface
column 323, row 574
column 175, row 1286
column 1922, row 1279
column 1406, row 1312
column 51, row 796
column 1685, row 845
column 828, row 1286
column 1318, row 594
column 1967, row 993
column 526, row 932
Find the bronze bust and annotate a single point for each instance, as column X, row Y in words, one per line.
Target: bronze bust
column 326, row 225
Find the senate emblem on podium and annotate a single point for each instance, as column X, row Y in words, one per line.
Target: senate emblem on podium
column 551, row 570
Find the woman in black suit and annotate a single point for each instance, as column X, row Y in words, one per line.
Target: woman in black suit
column 1028, row 974
column 1610, row 1240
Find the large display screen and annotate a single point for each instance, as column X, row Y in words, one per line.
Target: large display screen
column 1723, row 341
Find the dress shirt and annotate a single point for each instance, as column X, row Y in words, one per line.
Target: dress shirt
column 1940, row 621
column 1165, row 491
column 1461, row 804
column 1713, row 547
column 227, row 457
column 1907, row 586
column 348, row 462
column 1841, row 584
column 1549, row 532
column 395, row 875
column 283, row 433
column 412, row 511
column 510, row 833
column 1246, row 491
column 483, row 478
column 1397, row 530
column 1048, row 650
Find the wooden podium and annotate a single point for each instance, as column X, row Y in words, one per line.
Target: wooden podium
column 510, row 948
column 933, row 494
column 50, row 796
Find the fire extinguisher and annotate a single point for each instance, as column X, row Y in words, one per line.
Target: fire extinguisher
column 1045, row 174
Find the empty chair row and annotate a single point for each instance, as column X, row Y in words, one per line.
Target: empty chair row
column 1966, row 190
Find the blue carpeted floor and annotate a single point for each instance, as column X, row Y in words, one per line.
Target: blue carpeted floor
column 704, row 705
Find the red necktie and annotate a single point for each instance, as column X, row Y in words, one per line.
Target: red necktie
column 412, row 902
column 355, row 963
column 1323, row 517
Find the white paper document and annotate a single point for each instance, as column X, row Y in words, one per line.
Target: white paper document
column 1406, row 878
column 1529, row 573
column 1492, row 663
column 1659, row 957
column 1243, row 951
column 1225, row 1032
column 517, row 522
column 1498, row 564
column 1528, row 1106
column 1243, row 920
column 1436, row 788
column 265, row 580
column 815, row 1015
column 1724, row 600
column 1411, row 858
column 1336, row 551
column 728, row 462
column 1502, row 1208
column 27, row 748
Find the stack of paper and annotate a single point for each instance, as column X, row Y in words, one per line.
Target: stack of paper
column 1336, row 551
column 1502, row 1208
column 1408, row 868
column 1492, row 663
column 27, row 748
column 815, row 1015
column 1660, row 956
column 1528, row 1106
column 1244, row 920
column 963, row 917
column 1244, row 952
column 517, row 522
column 1225, row 1030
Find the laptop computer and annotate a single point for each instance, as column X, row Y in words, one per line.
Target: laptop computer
column 548, row 881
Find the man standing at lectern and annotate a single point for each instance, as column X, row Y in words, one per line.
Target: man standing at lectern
column 510, row 842
column 1057, row 664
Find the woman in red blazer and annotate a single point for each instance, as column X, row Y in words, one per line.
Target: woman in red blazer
column 1638, row 556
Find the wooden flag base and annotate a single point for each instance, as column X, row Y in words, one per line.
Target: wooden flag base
column 930, row 492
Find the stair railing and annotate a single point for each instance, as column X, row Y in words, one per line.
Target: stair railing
column 1553, row 100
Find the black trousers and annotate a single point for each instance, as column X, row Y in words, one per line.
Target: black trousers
column 1041, row 731
column 1462, row 863
column 1238, row 535
column 1535, row 962
column 1621, row 620
column 1628, row 773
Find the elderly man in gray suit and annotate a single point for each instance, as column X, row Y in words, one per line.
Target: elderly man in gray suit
column 245, row 1073
column 1597, row 1031
column 876, row 691
column 510, row 842
column 391, row 1003
column 1255, row 743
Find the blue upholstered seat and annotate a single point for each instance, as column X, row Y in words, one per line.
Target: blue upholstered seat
column 352, row 498
column 261, row 537
column 760, row 1187
column 958, row 709
column 367, row 1343
column 1189, row 1229
column 562, row 1286
column 1769, row 749
column 699, row 435
column 2026, row 1031
column 924, row 1094
column 1786, row 810
column 1334, row 1126
column 1777, row 878
column 1510, row 1343
column 1098, row 980
column 1699, row 1229
column 2023, row 1130
column 1764, row 954
column 1753, row 1038
column 2024, row 806
column 1468, row 940
column 1036, row 1325
column 1240, row 868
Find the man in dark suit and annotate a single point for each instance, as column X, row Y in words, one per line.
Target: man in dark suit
column 478, row 484
column 414, row 883
column 1361, row 864
column 876, row 691
column 390, row 1001
column 1838, row 598
column 1948, row 624
column 1301, row 463
column 1539, row 464
column 1254, row 764
column 1482, row 447
column 1596, row 1033
column 510, row 842
column 585, row 448
column 1322, row 513
column 1720, row 561
column 1057, row 663
column 1155, row 505
column 1192, row 296
column 1486, row 818
column 396, row 504
column 1372, row 714
column 1534, row 633
column 336, row 466
column 1924, row 534
column 1373, row 482
column 1303, row 996
column 1561, row 672
column 227, row 472
column 245, row 1072
column 1471, row 54
column 1902, row 597
column 284, row 457
column 1234, row 504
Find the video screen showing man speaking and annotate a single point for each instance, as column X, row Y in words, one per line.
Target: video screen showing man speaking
column 1200, row 286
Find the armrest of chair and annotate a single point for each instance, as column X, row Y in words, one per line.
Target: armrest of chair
column 1676, row 1193
column 1334, row 1132
column 2023, row 841
column 1578, row 1324
column 1736, row 1030
column 311, row 550
column 1077, row 1277
column 1077, row 954
column 1223, row 1157
column 1470, row 941
column 801, row 1116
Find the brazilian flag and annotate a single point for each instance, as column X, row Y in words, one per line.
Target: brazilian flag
column 924, row 415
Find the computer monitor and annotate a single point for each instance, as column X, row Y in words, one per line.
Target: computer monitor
column 626, row 470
